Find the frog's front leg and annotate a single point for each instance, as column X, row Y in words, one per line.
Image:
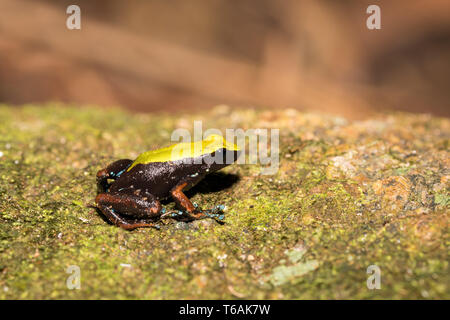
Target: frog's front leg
column 113, row 205
column 113, row 171
column 191, row 212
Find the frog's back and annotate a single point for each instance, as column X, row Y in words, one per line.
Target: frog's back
column 185, row 150
column 156, row 178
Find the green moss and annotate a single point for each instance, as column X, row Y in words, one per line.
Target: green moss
column 442, row 199
column 308, row 231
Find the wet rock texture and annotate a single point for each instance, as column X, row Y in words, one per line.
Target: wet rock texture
column 347, row 195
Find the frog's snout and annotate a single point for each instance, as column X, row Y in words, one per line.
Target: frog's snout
column 232, row 156
column 237, row 154
column 101, row 174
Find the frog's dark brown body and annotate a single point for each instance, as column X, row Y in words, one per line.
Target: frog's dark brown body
column 132, row 200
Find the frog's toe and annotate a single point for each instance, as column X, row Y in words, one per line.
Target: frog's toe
column 216, row 213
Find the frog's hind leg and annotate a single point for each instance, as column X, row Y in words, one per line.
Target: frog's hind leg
column 119, row 221
column 113, row 171
column 112, row 204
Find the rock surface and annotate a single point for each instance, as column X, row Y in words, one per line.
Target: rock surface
column 347, row 195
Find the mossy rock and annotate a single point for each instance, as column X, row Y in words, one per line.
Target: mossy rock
column 347, row 195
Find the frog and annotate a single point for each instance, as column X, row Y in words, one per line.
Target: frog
column 130, row 191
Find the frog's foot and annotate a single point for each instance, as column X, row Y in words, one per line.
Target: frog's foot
column 215, row 213
column 111, row 204
column 177, row 215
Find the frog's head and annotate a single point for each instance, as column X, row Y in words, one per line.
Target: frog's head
column 222, row 152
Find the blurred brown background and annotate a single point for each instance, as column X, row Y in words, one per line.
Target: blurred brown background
column 180, row 54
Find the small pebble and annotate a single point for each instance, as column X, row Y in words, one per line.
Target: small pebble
column 182, row 225
column 125, row 265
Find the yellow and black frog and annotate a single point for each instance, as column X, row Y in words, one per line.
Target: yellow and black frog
column 132, row 200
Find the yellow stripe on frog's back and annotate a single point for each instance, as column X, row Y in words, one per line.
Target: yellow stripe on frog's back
column 184, row 150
